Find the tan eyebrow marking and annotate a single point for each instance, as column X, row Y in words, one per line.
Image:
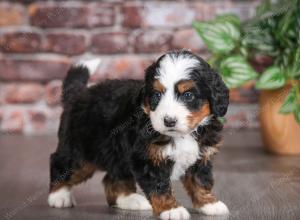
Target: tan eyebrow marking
column 158, row 86
column 185, row 85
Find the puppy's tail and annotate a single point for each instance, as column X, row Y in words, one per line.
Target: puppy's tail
column 77, row 78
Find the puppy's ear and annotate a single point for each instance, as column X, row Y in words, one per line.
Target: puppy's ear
column 150, row 73
column 144, row 99
column 219, row 93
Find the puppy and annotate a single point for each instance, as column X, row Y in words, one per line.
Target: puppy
column 142, row 132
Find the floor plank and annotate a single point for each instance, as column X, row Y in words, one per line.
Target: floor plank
column 253, row 184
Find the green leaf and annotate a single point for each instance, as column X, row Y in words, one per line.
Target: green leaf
column 231, row 18
column 263, row 8
column 272, row 78
column 297, row 113
column 220, row 37
column 223, row 120
column 236, row 71
column 244, row 51
column 290, row 102
column 296, row 65
column 261, row 40
column 285, row 24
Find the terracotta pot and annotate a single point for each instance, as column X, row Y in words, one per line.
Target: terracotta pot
column 281, row 133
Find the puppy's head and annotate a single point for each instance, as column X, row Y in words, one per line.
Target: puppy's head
column 182, row 92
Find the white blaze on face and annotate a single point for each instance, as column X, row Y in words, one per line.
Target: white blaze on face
column 172, row 70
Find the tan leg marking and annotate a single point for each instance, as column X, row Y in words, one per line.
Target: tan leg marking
column 199, row 195
column 162, row 202
column 82, row 174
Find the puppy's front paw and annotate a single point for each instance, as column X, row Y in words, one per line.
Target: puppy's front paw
column 61, row 198
column 217, row 208
column 175, row 214
column 133, row 201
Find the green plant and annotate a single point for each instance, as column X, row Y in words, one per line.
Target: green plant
column 275, row 32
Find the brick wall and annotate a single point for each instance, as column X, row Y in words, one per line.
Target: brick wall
column 40, row 39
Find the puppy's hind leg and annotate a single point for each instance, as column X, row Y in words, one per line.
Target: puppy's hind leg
column 65, row 173
column 121, row 193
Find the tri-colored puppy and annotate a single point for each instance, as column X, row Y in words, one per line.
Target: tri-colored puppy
column 142, row 132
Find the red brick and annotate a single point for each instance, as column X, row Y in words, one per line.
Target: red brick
column 13, row 122
column 245, row 94
column 245, row 10
column 263, row 59
column 101, row 15
column 261, row 63
column 11, row 14
column 65, row 43
column 20, row 42
column 53, row 92
column 209, row 10
column 168, row 14
column 23, row 92
column 34, row 69
column 37, row 120
column 53, row 116
column 153, row 41
column 133, row 17
column 109, row 43
column 58, row 16
column 122, row 67
column 188, row 39
column 242, row 116
column 69, row 15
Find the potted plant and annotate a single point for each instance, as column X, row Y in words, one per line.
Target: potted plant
column 275, row 33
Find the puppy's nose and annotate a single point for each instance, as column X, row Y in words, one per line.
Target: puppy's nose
column 169, row 122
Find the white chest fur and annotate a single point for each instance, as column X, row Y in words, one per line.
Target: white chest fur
column 184, row 152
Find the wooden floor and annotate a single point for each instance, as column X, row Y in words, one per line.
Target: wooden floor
column 253, row 184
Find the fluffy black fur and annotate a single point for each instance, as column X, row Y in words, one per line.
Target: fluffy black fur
column 106, row 125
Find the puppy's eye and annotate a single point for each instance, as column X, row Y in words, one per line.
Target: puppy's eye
column 156, row 96
column 188, row 96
